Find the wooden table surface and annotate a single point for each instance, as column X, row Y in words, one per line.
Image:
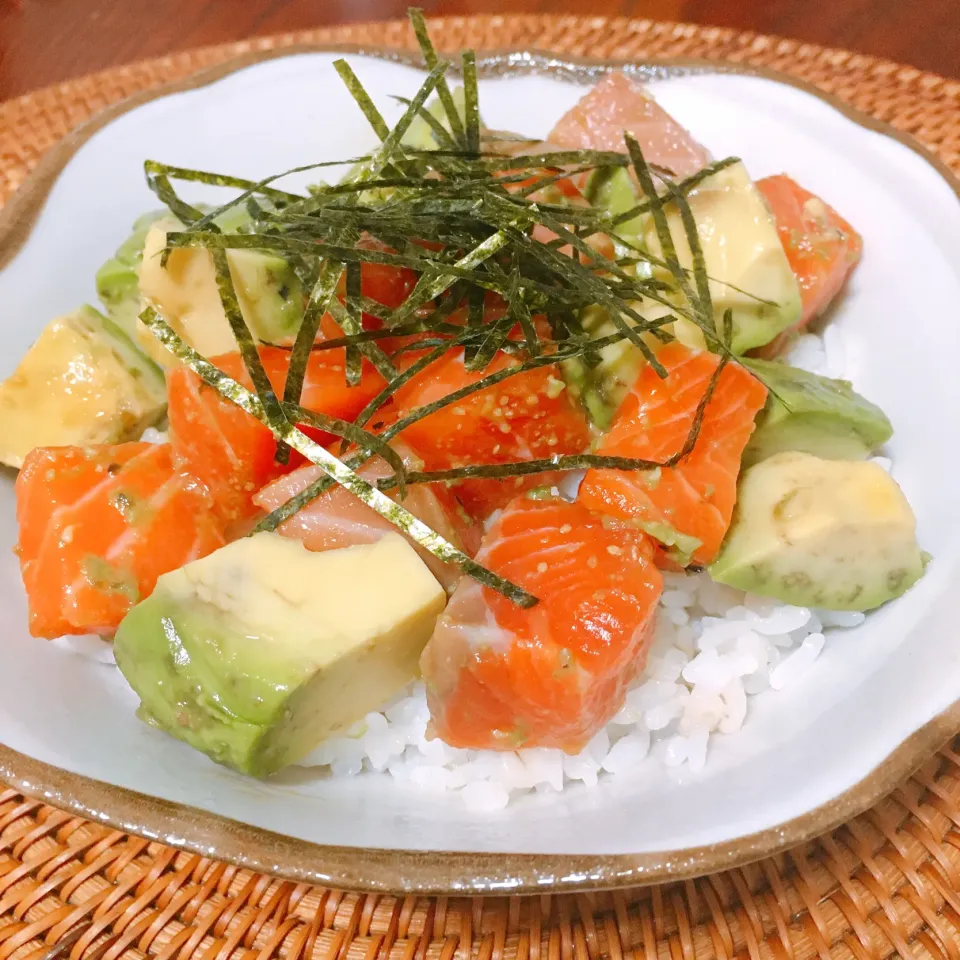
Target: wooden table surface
column 45, row 41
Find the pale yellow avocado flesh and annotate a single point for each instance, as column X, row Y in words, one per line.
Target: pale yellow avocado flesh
column 81, row 382
column 185, row 293
column 742, row 248
column 834, row 534
column 259, row 651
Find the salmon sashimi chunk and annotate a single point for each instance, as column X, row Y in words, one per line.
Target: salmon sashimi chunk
column 382, row 282
column 339, row 519
column 500, row 677
column 525, row 417
column 231, row 452
column 821, row 247
column 687, row 507
column 99, row 525
column 617, row 105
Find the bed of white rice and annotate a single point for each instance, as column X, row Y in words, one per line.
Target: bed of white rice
column 714, row 650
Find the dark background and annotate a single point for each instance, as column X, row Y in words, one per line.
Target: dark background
column 45, row 41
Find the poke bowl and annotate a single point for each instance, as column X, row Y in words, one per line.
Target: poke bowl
column 544, row 483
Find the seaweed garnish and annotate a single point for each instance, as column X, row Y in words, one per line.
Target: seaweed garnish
column 469, row 222
column 354, row 322
column 352, row 82
column 431, row 59
column 440, row 132
column 658, row 214
column 245, row 342
column 471, row 104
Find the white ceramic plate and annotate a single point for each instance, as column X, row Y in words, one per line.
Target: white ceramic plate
column 878, row 699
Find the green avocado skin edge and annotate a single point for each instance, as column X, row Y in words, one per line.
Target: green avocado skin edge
column 202, row 685
column 812, row 414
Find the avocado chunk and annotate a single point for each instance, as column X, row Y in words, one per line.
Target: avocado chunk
column 612, row 189
column 816, row 415
column 117, row 284
column 601, row 385
column 259, row 651
column 185, row 293
column 748, row 269
column 421, row 136
column 82, row 382
column 834, row 534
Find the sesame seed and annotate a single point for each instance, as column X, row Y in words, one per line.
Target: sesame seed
column 566, row 528
column 504, row 427
column 496, row 448
column 504, row 400
column 541, row 567
column 592, row 562
column 554, row 388
column 614, row 551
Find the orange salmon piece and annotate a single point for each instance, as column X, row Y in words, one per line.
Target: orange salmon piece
column 387, row 284
column 99, row 525
column 231, row 452
column 525, row 417
column 339, row 519
column 616, row 105
column 821, row 247
column 500, row 677
column 696, row 497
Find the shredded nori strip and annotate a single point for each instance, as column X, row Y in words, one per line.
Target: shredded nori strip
column 323, row 293
column 431, row 59
column 355, row 322
column 368, row 107
column 684, row 186
column 439, row 131
column 161, row 186
column 288, row 433
column 151, row 167
column 248, row 348
column 704, row 302
column 471, row 107
column 664, row 235
column 557, row 463
column 354, row 434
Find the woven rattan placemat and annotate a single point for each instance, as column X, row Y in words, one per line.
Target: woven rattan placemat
column 885, row 884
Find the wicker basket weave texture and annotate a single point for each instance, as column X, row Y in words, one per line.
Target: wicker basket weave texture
column 918, row 103
column 886, row 884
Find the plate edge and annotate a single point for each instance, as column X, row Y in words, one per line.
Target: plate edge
column 433, row 873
